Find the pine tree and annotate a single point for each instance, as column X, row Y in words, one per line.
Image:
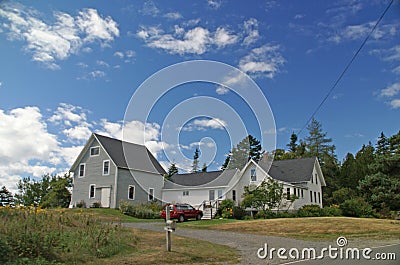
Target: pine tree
column 293, row 143
column 317, row 144
column 195, row 164
column 172, row 170
column 382, row 145
column 226, row 162
column 6, row 197
column 248, row 148
column 204, row 168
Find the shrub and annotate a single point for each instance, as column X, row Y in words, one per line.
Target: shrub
column 356, row 207
column 310, row 211
column 37, row 236
column 81, row 204
column 238, row 213
column 95, row 205
column 223, row 205
column 331, row 211
column 142, row 210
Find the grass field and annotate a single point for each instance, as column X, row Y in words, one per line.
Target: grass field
column 151, row 249
column 311, row 228
column 110, row 215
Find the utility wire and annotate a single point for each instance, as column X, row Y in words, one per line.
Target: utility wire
column 347, row 67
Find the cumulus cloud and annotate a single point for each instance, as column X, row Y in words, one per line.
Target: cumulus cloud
column 67, row 35
column 251, row 31
column 204, row 124
column 197, row 40
column 395, row 103
column 262, row 61
column 391, row 90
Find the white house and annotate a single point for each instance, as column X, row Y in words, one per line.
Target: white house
column 102, row 173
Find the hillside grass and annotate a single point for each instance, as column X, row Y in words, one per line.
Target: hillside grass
column 94, row 236
column 110, row 215
column 310, row 228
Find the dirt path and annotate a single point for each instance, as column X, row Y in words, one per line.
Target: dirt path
column 249, row 244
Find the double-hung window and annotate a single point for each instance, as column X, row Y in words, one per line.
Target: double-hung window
column 253, row 174
column 82, row 170
column 106, row 167
column 131, row 192
column 92, row 191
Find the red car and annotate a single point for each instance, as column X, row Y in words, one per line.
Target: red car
column 182, row 212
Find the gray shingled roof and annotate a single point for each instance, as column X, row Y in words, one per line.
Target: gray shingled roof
column 134, row 154
column 203, row 179
column 292, row 171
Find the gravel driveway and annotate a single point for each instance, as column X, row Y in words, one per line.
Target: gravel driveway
column 249, row 244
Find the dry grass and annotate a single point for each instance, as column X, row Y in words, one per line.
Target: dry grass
column 318, row 228
column 151, row 249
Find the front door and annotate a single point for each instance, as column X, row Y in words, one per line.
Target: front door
column 105, row 197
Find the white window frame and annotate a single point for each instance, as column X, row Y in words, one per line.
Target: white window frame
column 134, row 192
column 185, row 193
column 311, row 196
column 233, row 195
column 316, row 178
column 90, row 191
column 150, row 193
column 84, row 170
column 219, row 194
column 288, row 193
column 94, row 147
column 108, row 172
column 253, row 170
column 302, row 193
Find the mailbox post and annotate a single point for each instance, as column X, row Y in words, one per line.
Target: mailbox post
column 170, row 226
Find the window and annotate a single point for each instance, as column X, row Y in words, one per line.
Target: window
column 185, row 193
column 151, row 194
column 94, row 151
column 92, row 191
column 310, row 195
column 131, row 192
column 81, row 170
column 312, row 179
column 234, row 195
column 106, row 167
column 319, row 197
column 302, row 194
column 253, row 175
column 219, row 194
column 211, row 195
column 288, row 193
column 315, row 196
column 316, row 179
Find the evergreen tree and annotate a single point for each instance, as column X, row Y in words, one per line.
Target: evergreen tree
column 317, row 144
column 226, row 162
column 172, row 170
column 204, row 168
column 195, row 164
column 6, row 197
column 382, row 146
column 293, row 143
column 248, row 148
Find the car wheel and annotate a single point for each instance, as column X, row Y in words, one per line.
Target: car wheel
column 181, row 218
column 198, row 217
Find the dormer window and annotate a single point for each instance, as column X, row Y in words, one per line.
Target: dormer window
column 94, row 151
column 253, row 175
column 316, row 179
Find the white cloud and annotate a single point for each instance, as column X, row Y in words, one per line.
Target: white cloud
column 204, row 124
column 360, row 31
column 119, row 54
column 391, row 90
column 102, row 63
column 150, row 9
column 197, row 40
column 251, row 31
column 49, row 43
column 263, row 61
column 214, row 4
column 222, row 90
column 80, row 132
column 173, row 15
column 68, row 113
column 223, row 37
column 395, row 103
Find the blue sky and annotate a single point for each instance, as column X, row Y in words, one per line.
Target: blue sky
column 69, row 68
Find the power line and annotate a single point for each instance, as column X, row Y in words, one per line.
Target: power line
column 346, row 68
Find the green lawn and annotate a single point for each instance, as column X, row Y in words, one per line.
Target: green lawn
column 311, row 228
